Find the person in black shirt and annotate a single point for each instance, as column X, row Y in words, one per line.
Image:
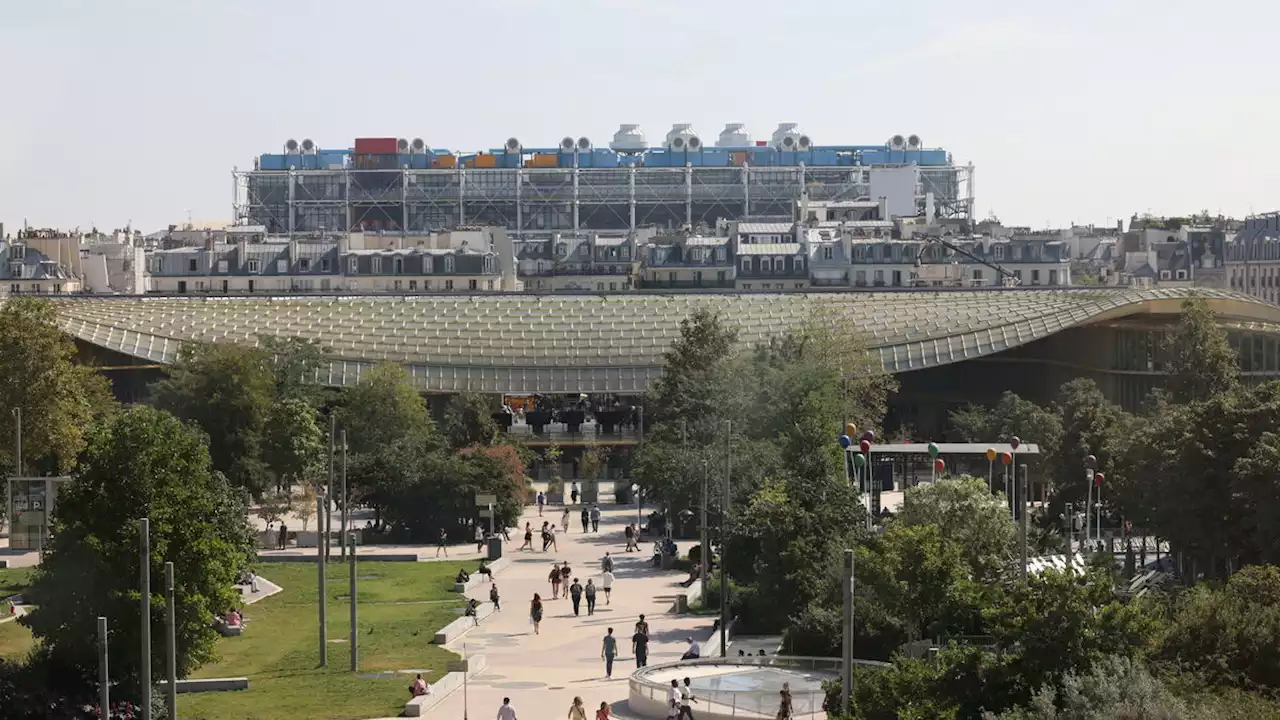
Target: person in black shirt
column 575, row 594
column 640, row 644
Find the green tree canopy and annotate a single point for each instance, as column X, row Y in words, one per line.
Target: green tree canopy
column 468, row 420
column 968, row 516
column 228, row 391
column 58, row 398
column 1201, row 364
column 294, row 448
column 141, row 463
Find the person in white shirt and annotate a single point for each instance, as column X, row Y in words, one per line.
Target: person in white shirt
column 606, row 584
column 506, row 712
column 694, row 652
column 673, row 696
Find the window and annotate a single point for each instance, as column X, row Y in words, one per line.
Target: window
column 746, row 286
column 561, row 249
column 448, row 284
column 15, row 288
column 861, row 278
column 1017, row 252
column 429, row 264
column 720, row 276
column 799, row 286
column 766, row 264
column 977, row 277
column 746, row 264
column 471, row 284
column 324, row 264
column 1018, row 274
column 398, row 263
column 254, row 266
column 159, row 266
column 488, row 285
column 1053, row 277
column 395, row 284
column 376, row 265
column 827, row 252
column 448, row 263
column 413, row 285
column 426, row 285
column 897, row 278
column 720, row 254
column 282, row 267
column 199, row 285
column 353, row 265
column 57, row 287
column 1035, row 277
column 1164, row 275
column 879, row 278
column 612, row 285
column 671, row 277
column 222, row 266
column 600, row 286
column 304, row 264
column 998, row 251
column 1182, row 274
column 488, row 264
column 192, row 265
column 17, row 252
column 858, row 252
column 15, row 269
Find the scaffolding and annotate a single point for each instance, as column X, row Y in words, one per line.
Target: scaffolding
column 351, row 199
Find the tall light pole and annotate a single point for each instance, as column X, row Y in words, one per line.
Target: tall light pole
column 846, row 667
column 346, row 501
column 144, row 581
column 322, row 589
column 724, row 544
column 705, row 555
column 170, row 643
column 104, row 676
column 17, row 441
column 1090, row 469
column 354, row 638
column 325, row 525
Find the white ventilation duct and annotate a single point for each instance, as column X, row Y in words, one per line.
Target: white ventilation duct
column 913, row 142
column 897, row 142
column 734, row 135
column 629, row 138
column 308, row 147
column 566, row 144
column 584, row 144
column 787, row 137
column 418, row 147
column 682, row 137
column 402, row 146
column 290, row 146
column 512, row 145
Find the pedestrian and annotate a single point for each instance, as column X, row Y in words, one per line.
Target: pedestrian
column 564, row 520
column 575, row 594
column 283, row 538
column 640, row 646
column 586, row 520
column 528, row 537
column 440, row 543
column 546, row 536
column 506, row 534
column 253, row 581
column 479, row 538
column 542, row 500
column 493, row 597
column 606, row 564
column 535, row 612
column 595, row 517
column 608, row 651
column 784, row 702
column 590, row 592
column 565, row 572
column 630, row 532
column 686, row 700
column 606, row 584
column 506, row 712
column 673, row 697
column 551, row 530
column 573, row 494
column 577, row 711
column 642, row 626
column 694, row 650
column 554, row 578
column 603, row 712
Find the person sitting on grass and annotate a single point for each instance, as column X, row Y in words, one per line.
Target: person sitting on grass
column 233, row 618
column 419, row 687
column 463, row 576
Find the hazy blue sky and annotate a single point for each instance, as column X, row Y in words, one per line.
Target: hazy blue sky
column 1083, row 110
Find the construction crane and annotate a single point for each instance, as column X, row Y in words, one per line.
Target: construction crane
column 920, row 277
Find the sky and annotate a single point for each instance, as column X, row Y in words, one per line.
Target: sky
column 1086, row 111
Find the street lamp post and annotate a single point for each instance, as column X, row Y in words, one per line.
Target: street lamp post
column 1090, row 469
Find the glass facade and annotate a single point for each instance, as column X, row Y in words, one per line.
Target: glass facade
column 31, row 503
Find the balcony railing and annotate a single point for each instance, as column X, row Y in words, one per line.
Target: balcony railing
column 687, row 284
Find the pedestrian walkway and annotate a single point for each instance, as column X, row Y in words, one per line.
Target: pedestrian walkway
column 542, row 673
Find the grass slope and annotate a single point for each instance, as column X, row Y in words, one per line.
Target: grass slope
column 15, row 640
column 279, row 649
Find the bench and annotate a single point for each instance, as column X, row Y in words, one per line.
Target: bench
column 459, row 627
column 418, row 707
column 476, row 578
column 193, row 685
column 226, row 630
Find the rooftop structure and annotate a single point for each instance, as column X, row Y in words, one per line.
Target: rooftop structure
column 398, row 185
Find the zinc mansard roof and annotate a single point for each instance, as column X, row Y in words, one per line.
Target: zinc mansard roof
column 550, row 343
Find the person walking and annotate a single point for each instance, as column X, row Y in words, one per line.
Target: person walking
column 565, row 572
column 542, row 500
column 546, row 536
column 642, row 626
column 551, row 530
column 686, row 700
column 606, row 563
column 595, row 517
column 573, row 494
column 506, row 712
column 606, row 584
column 586, row 519
column 575, row 594
column 441, row 543
column 535, row 612
column 528, row 537
column 640, row 646
column 577, row 711
column 283, row 538
column 630, row 532
column 493, row 597
column 590, row 593
column 479, row 538
column 608, row 651
column 564, row 520
column 554, row 579
column 673, row 697
column 603, row 712
column 784, row 702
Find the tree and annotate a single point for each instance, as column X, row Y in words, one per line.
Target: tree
column 468, row 420
column 228, row 391
column 694, row 386
column 1201, row 364
column 1113, row 687
column 294, row 363
column 1091, row 425
column 141, row 463
column 968, row 516
column 59, row 399
column 294, row 448
column 1011, row 415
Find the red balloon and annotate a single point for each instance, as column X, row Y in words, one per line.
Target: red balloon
column 938, row 465
column 865, row 446
column 1098, row 478
column 1006, row 458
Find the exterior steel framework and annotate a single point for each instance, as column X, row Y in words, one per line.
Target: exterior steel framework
column 540, row 199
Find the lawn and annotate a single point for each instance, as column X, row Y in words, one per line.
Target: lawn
column 15, row 640
column 279, row 649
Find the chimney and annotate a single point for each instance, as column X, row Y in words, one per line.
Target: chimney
column 884, row 208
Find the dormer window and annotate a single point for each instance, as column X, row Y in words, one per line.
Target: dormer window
column 562, row 250
column 827, row 252
column 399, row 266
column 766, row 264
column 448, row 263
column 488, row 264
column 746, row 264
column 377, row 265
column 719, row 254
column 428, row 265
column 254, row 266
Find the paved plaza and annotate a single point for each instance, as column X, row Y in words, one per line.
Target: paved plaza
column 542, row 673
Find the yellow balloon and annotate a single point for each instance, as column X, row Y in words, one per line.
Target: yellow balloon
column 991, row 454
column 851, row 429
